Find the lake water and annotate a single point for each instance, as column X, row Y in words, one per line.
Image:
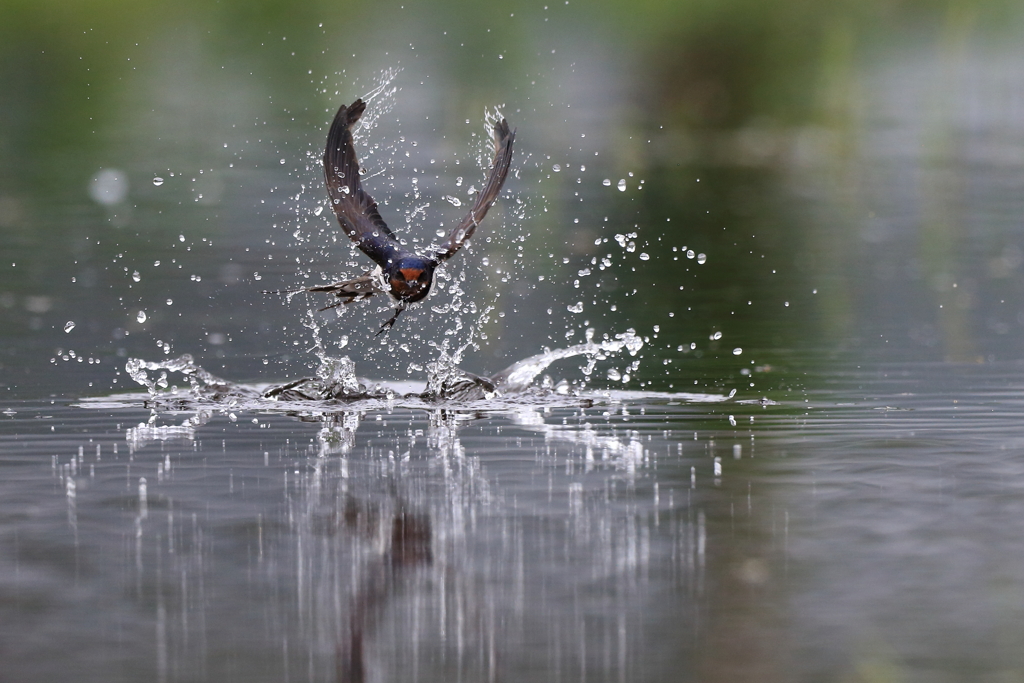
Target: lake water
column 869, row 528
column 776, row 434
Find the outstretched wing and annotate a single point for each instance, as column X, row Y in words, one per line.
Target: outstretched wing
column 503, row 139
column 355, row 209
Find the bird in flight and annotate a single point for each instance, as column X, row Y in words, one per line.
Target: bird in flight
column 405, row 275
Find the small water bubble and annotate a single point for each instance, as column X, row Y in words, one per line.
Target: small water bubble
column 556, row 168
column 614, row 375
column 732, row 420
column 141, row 317
column 158, row 181
column 644, row 256
column 318, row 210
column 622, row 185
column 737, row 351
column 716, row 336
column 282, row 162
column 181, row 238
column 690, row 253
column 156, row 263
column 170, row 302
column 576, row 308
column 136, row 277
column 455, row 201
column 607, row 182
column 70, row 325
column 718, row 466
column 702, row 258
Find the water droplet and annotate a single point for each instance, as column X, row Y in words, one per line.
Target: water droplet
column 136, row 276
column 156, row 263
column 607, row 182
column 158, row 181
column 737, row 351
column 109, row 187
column 644, row 256
column 702, row 258
column 170, row 302
column 70, row 325
column 716, row 336
column 690, row 253
column 577, row 308
column 622, row 185
column 318, row 210
column 282, row 162
column 455, row 201
column 556, row 168
column 614, row 375
column 141, row 317
column 181, row 238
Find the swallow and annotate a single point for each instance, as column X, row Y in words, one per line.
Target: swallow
column 407, row 276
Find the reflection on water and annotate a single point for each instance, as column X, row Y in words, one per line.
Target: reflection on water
column 386, row 546
column 387, row 549
column 835, row 535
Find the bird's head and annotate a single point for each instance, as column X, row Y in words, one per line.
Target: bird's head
column 410, row 277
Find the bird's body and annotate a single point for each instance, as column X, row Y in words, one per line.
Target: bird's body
column 405, row 275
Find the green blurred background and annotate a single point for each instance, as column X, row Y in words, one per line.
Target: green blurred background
column 852, row 171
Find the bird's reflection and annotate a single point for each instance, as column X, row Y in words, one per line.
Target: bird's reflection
column 409, row 548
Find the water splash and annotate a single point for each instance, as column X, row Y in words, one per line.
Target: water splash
column 203, row 384
column 520, row 376
column 336, row 380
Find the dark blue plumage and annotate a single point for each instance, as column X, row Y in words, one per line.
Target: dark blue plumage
column 407, row 276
